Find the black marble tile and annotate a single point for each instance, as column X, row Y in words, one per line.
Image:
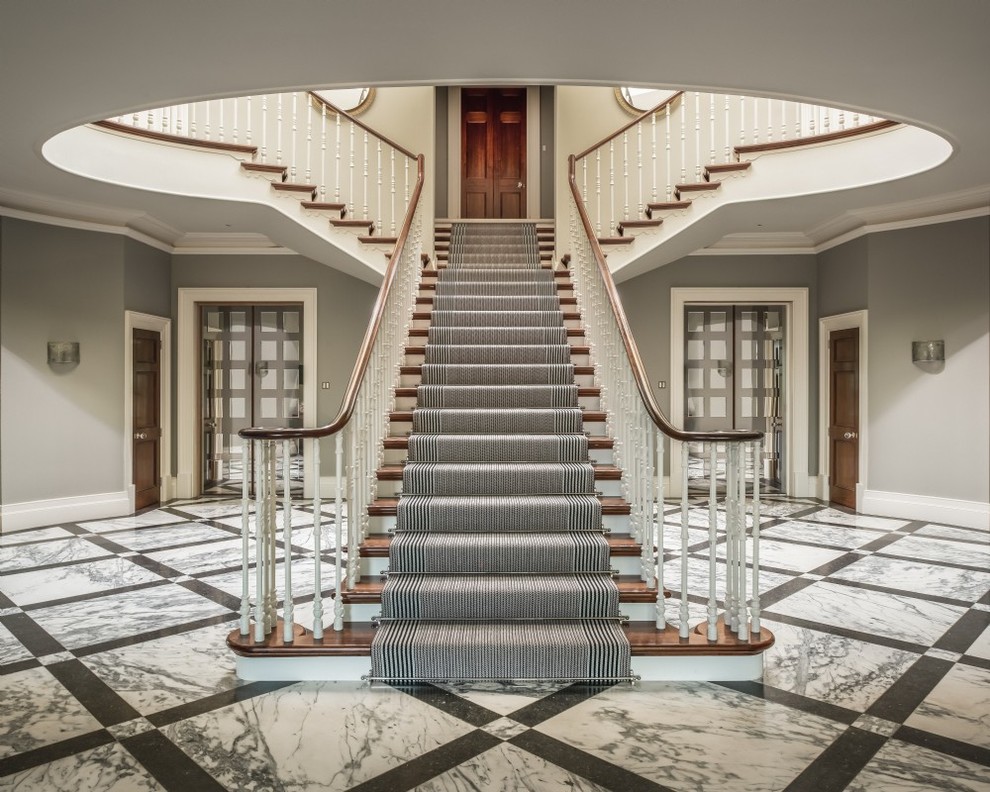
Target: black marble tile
column 52, row 753
column 217, row 701
column 169, row 765
column 906, row 694
column 961, row 635
column 450, row 703
column 29, row 633
column 838, row 764
column 149, row 635
column 91, row 595
column 821, row 709
column 93, row 693
column 560, row 701
column 946, row 745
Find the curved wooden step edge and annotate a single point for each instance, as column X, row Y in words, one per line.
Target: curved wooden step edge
column 323, row 206
column 695, row 187
column 666, row 206
column 376, row 545
column 371, row 239
column 410, row 392
column 258, row 167
column 645, row 640
column 589, row 416
column 616, row 240
column 292, row 187
column 417, row 370
column 386, row 507
column 633, row 225
column 402, row 443
column 576, row 349
column 725, row 167
column 602, row 472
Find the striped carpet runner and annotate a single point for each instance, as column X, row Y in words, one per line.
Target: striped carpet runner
column 499, row 568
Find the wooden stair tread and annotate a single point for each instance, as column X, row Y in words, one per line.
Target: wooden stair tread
column 376, row 545
column 406, row 416
column 697, row 186
column 632, row 224
column 576, row 349
column 616, row 240
column 666, row 206
column 727, row 167
column 410, row 391
column 379, row 240
column 386, row 507
column 294, row 187
column 322, row 206
column 351, row 223
column 418, row 369
column 602, row 472
column 424, row 332
column 427, row 300
column 260, row 167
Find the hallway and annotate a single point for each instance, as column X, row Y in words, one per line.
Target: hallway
column 114, row 676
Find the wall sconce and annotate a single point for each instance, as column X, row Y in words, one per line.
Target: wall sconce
column 63, row 353
column 928, row 355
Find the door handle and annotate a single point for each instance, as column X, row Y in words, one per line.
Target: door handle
column 520, row 185
column 140, row 435
column 849, row 436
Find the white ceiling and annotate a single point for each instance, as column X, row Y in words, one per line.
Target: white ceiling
column 925, row 62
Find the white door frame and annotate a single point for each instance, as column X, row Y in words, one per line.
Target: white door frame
column 533, row 156
column 163, row 326
column 795, row 301
column 188, row 483
column 826, row 325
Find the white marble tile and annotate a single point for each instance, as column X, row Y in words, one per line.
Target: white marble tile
column 894, row 616
column 504, row 728
column 879, row 726
column 299, row 519
column 695, row 736
column 28, row 588
column 117, row 616
column 968, row 553
column 303, row 577
column 506, row 768
column 917, row 576
column 59, row 551
column 503, row 697
column 38, row 711
column 109, row 768
column 324, row 735
column 831, row 668
column 11, row 650
column 210, row 510
column 698, row 578
column 837, row 517
column 788, row 555
column 144, row 539
column 952, row 532
column 981, row 646
column 772, row 507
column 902, row 767
column 33, row 535
column 202, row 558
column 154, row 517
column 958, row 707
column 822, row 533
column 166, row 672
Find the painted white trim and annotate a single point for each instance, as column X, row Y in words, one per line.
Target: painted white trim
column 34, row 514
column 163, row 326
column 454, row 151
column 826, row 325
column 86, row 225
column 188, row 484
column 897, row 225
column 969, row 514
column 695, row 668
column 795, row 301
column 304, row 669
column 533, row 151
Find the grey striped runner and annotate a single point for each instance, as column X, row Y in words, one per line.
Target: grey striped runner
column 499, row 567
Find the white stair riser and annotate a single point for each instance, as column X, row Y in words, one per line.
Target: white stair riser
column 625, row 565
column 613, row 523
column 391, row 489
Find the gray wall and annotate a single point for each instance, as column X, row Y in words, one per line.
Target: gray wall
column 147, row 279
column 62, row 427
column 842, row 278
column 440, row 164
column 547, row 148
column 929, row 434
column 646, row 300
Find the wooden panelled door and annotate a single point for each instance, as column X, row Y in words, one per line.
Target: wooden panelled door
column 843, row 416
column 493, row 153
column 146, row 424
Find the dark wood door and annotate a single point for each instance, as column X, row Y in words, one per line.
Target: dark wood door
column 493, row 152
column 146, row 418
column 843, row 412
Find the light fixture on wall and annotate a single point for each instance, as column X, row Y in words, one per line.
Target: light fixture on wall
column 928, row 355
column 63, row 353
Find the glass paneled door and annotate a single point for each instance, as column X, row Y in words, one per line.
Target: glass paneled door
column 733, row 378
column 252, row 376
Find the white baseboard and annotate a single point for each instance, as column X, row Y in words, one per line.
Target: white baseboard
column 34, row 514
column 302, row 669
column 694, row 668
column 969, row 514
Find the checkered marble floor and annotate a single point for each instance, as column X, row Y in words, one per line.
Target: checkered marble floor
column 114, row 676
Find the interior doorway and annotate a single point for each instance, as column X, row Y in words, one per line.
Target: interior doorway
column 251, row 375
column 146, row 417
column 493, row 153
column 734, row 379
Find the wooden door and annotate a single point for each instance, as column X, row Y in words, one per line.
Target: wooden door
column 493, row 153
column 146, row 348
column 843, row 411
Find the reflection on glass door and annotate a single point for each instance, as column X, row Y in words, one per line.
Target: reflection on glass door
column 734, row 379
column 252, row 376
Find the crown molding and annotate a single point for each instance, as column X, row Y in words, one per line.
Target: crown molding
column 759, row 243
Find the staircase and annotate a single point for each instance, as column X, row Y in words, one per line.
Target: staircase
column 499, row 567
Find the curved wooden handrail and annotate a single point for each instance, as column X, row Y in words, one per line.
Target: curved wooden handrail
column 165, row 137
column 631, row 124
column 812, row 140
column 330, row 106
column 632, row 352
column 364, row 355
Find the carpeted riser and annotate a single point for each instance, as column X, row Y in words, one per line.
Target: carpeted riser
column 498, row 566
column 541, row 552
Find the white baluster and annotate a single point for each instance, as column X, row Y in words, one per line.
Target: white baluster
column 784, row 107
column 639, row 169
column 260, row 554
column 731, row 554
column 683, row 118
column 220, row 120
column 742, row 120
column 264, row 129
column 697, row 137
column 245, row 625
column 685, row 542
column 379, row 207
column 727, row 124
column 611, row 187
column 177, row 110
column 653, row 130
column 207, row 127
column 625, row 175
column 598, row 191
column 323, row 152
column 309, row 141
column 278, row 129
column 755, row 602
column 798, row 124
column 338, row 606
column 712, row 542
column 350, row 189
column 293, row 130
column 233, row 110
column 364, row 215
column 317, row 544
column 391, row 158
column 667, row 147
column 842, row 119
column 742, row 622
column 711, row 128
column 271, row 611
column 336, row 191
column 769, row 120
column 288, row 607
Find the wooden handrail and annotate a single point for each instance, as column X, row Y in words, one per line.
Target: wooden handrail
column 631, row 124
column 165, row 137
column 365, row 127
column 811, row 140
column 370, row 335
column 632, row 352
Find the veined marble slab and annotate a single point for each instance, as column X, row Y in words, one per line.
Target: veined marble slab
column 202, row 558
column 117, row 616
column 28, row 588
column 902, row 767
column 856, row 520
column 958, row 707
column 210, row 510
column 59, row 551
column 33, row 535
column 144, row 539
column 952, row 532
column 928, row 549
column 38, row 711
column 787, row 555
column 166, row 672
column 503, row 697
column 154, row 517
column 506, row 768
column 698, row 578
column 831, row 668
column 109, row 768
column 981, row 646
column 894, row 616
column 822, row 534
column 313, row 735
column 694, row 736
column 918, row 576
column 11, row 650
